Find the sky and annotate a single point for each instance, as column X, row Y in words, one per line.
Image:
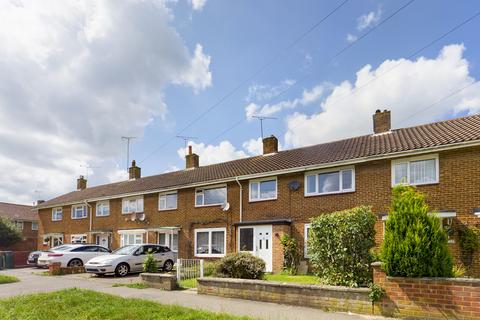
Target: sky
column 76, row 76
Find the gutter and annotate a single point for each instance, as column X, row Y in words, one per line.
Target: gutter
column 91, row 215
column 241, row 198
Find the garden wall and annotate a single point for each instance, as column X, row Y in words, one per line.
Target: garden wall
column 430, row 298
column 316, row 296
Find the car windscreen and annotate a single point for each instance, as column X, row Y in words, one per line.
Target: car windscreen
column 127, row 250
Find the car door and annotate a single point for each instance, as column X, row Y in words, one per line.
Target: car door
column 159, row 254
column 138, row 258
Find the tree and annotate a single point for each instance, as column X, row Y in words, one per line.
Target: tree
column 9, row 233
column 415, row 244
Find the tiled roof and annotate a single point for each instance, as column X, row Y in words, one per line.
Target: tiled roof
column 17, row 212
column 466, row 129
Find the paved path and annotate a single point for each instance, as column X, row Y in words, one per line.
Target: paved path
column 34, row 283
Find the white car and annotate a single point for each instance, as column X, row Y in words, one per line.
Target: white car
column 71, row 255
column 129, row 259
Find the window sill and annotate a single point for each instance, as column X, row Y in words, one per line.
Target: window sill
column 104, row 216
column 79, row 218
column 328, row 193
column 209, row 205
column 163, row 210
column 57, row 220
column 415, row 184
column 210, row 255
column 261, row 200
column 125, row 213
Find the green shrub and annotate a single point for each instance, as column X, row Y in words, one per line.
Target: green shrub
column 339, row 246
column 415, row 244
column 149, row 264
column 469, row 244
column 209, row 268
column 291, row 258
column 9, row 233
column 459, row 271
column 241, row 265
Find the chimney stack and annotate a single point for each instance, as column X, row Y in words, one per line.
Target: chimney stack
column 134, row 172
column 81, row 183
column 191, row 159
column 40, row 202
column 270, row 145
column 381, row 121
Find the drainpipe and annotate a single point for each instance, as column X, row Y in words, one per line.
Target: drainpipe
column 241, row 199
column 90, row 227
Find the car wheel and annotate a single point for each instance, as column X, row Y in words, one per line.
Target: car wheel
column 75, row 263
column 122, row 270
column 168, row 265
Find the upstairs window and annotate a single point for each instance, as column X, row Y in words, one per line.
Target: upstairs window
column 34, row 225
column 263, row 189
column 103, row 209
column 132, row 205
column 210, row 196
column 79, row 211
column 18, row 224
column 415, row 171
column 167, row 201
column 328, row 182
column 57, row 214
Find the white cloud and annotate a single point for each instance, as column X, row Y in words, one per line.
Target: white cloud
column 351, row 38
column 198, row 4
column 308, row 97
column 75, row 77
column 254, row 147
column 262, row 92
column 408, row 89
column 368, row 20
column 210, row 154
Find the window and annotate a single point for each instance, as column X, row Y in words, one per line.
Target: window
column 79, row 238
column 132, row 205
column 57, row 241
column 329, row 182
column 34, row 225
column 246, row 239
column 18, row 224
column 167, row 201
column 79, row 211
column 265, row 189
column 415, row 171
column 306, row 232
column 169, row 240
column 57, row 214
column 210, row 242
column 131, row 239
column 103, row 209
column 210, row 196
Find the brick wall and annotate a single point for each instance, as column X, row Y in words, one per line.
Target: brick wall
column 430, row 298
column 28, row 242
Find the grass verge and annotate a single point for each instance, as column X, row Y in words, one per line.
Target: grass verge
column 135, row 285
column 188, row 283
column 8, row 279
column 78, row 304
column 305, row 279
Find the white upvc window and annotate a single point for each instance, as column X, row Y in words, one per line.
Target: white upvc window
column 416, row 170
column 132, row 205
column 57, row 214
column 210, row 196
column 330, row 181
column 131, row 239
column 263, row 189
column 169, row 240
column 18, row 224
column 34, row 225
column 79, row 211
column 210, row 242
column 78, row 238
column 306, row 232
column 167, row 201
column 103, row 209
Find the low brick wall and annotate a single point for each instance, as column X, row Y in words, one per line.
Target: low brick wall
column 160, row 281
column 432, row 298
column 316, row 296
column 54, row 269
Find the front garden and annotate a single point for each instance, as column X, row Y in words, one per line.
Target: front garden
column 8, row 279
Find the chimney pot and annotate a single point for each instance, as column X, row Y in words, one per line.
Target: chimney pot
column 134, row 172
column 381, row 121
column 81, row 183
column 192, row 160
column 270, row 145
column 189, row 149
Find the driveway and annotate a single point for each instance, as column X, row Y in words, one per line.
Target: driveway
column 32, row 282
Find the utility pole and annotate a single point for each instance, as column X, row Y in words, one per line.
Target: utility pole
column 127, row 138
column 261, row 118
column 185, row 140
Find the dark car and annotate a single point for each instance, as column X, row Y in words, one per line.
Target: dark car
column 33, row 258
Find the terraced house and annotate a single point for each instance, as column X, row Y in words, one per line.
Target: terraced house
column 247, row 204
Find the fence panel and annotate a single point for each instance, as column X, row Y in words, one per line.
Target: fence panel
column 189, row 269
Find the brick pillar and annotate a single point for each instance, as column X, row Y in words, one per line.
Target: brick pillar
column 379, row 276
column 54, row 268
column 277, row 254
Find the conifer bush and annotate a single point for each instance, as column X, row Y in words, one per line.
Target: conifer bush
column 149, row 264
column 415, row 244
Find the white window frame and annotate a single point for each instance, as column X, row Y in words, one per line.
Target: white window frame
column 250, row 199
column 202, row 189
column 306, row 227
column 74, row 208
column 413, row 159
column 165, row 194
column 55, row 212
column 82, row 235
column 36, row 224
column 210, row 231
column 137, row 199
column 18, row 224
column 100, row 205
column 330, row 170
column 254, row 238
column 168, row 240
column 137, row 235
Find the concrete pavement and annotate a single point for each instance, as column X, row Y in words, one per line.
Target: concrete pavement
column 34, row 283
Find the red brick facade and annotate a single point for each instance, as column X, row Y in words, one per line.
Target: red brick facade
column 458, row 190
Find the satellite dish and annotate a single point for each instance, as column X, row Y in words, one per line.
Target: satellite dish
column 294, row 185
column 141, row 217
column 226, row 206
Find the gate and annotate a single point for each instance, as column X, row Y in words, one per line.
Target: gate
column 189, row 269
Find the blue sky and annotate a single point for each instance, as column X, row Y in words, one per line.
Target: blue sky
column 78, row 76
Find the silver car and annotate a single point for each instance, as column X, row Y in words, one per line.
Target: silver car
column 129, row 259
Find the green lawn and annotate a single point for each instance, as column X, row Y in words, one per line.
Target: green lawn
column 8, row 279
column 77, row 304
column 306, row 279
column 188, row 283
column 135, row 285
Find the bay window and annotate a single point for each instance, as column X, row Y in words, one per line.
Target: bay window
column 210, row 196
column 132, row 205
column 79, row 211
column 210, row 242
column 331, row 181
column 263, row 189
column 167, row 201
column 415, row 171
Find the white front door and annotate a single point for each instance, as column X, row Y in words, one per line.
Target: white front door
column 102, row 240
column 258, row 241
